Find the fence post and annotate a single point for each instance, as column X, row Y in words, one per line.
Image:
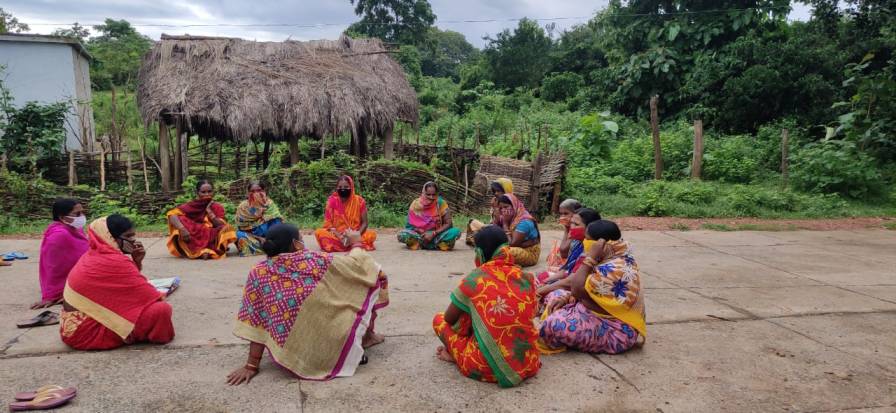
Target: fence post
column 72, row 172
column 655, row 128
column 697, row 164
column 164, row 155
column 293, row 150
column 785, row 149
column 178, row 154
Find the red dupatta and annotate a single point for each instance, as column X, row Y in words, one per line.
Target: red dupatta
column 106, row 285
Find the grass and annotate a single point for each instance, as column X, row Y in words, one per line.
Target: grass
column 678, row 226
column 716, row 227
column 890, row 225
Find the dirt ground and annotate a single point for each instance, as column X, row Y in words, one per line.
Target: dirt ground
column 738, row 321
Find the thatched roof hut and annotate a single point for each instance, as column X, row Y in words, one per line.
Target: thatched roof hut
column 231, row 88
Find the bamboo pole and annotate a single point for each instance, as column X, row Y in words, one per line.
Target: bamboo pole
column 178, row 155
column 102, row 167
column 143, row 160
column 697, row 164
column 293, row 150
column 657, row 149
column 72, row 172
column 164, row 155
column 785, row 159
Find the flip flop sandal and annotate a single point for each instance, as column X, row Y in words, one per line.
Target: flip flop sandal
column 15, row 255
column 43, row 401
column 31, row 395
column 45, row 318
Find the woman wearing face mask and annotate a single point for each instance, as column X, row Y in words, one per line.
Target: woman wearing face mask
column 314, row 312
column 63, row 244
column 499, row 187
column 108, row 302
column 254, row 217
column 548, row 280
column 345, row 210
column 197, row 229
column 603, row 312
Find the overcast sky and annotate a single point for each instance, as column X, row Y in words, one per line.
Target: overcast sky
column 324, row 19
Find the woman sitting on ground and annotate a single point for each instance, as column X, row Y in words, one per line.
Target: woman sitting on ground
column 429, row 223
column 345, row 211
column 197, row 229
column 604, row 311
column 575, row 235
column 108, row 302
column 560, row 249
column 254, row 217
column 63, row 244
column 313, row 311
column 498, row 187
column 521, row 229
column 487, row 328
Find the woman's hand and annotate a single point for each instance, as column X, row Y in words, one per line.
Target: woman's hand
column 241, row 375
column 209, row 213
column 560, row 303
column 352, row 237
column 138, row 253
column 428, row 236
column 184, row 235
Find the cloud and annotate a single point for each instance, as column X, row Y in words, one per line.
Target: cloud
column 318, row 19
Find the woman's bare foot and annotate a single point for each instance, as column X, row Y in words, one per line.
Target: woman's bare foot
column 443, row 354
column 45, row 304
column 204, row 256
column 371, row 339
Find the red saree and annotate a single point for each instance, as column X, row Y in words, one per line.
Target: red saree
column 204, row 237
column 343, row 216
column 114, row 302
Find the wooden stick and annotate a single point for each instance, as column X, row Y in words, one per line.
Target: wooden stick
column 143, row 160
column 164, row 155
column 72, row 173
column 185, row 154
column 657, row 149
column 293, row 150
column 103, row 167
column 785, row 158
column 697, row 164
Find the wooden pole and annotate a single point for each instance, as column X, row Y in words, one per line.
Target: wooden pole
column 178, row 154
column 164, row 155
column 478, row 137
column 697, row 165
column 246, row 160
column 323, row 144
column 72, row 172
column 534, row 187
column 466, row 182
column 102, row 166
column 266, row 154
column 114, row 125
column 388, row 144
column 657, row 149
column 143, row 160
column 220, row 158
column 785, row 149
column 238, row 158
column 555, row 202
column 127, row 159
column 185, row 155
column 293, row 150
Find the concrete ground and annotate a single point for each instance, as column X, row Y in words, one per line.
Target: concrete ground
column 738, row 321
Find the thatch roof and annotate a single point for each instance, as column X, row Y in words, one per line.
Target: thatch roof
column 229, row 88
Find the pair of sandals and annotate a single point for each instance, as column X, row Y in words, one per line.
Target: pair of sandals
column 46, row 318
column 46, row 397
column 15, row 255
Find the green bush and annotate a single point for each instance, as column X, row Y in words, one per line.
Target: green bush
column 732, row 159
column 836, row 167
column 558, row 87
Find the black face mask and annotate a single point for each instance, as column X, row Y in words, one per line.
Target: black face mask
column 344, row 193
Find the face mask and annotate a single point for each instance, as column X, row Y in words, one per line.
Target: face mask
column 577, row 233
column 78, row 222
column 344, row 193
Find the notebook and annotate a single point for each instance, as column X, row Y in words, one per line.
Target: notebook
column 165, row 285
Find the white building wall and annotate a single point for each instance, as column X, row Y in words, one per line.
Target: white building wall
column 46, row 73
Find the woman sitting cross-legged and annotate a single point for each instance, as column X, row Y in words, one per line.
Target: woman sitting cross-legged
column 254, row 217
column 604, row 311
column 345, row 211
column 559, row 250
column 487, row 329
column 313, row 311
column 63, row 244
column 521, row 229
column 108, row 302
column 429, row 223
column 498, row 188
column 197, row 229
column 571, row 250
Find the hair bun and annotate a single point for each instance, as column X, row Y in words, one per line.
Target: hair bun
column 270, row 248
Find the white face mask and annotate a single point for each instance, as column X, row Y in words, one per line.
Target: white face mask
column 78, row 222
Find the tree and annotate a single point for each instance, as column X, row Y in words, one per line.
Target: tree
column 10, row 24
column 76, row 31
column 117, row 51
column 519, row 58
column 394, row 21
column 444, row 52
